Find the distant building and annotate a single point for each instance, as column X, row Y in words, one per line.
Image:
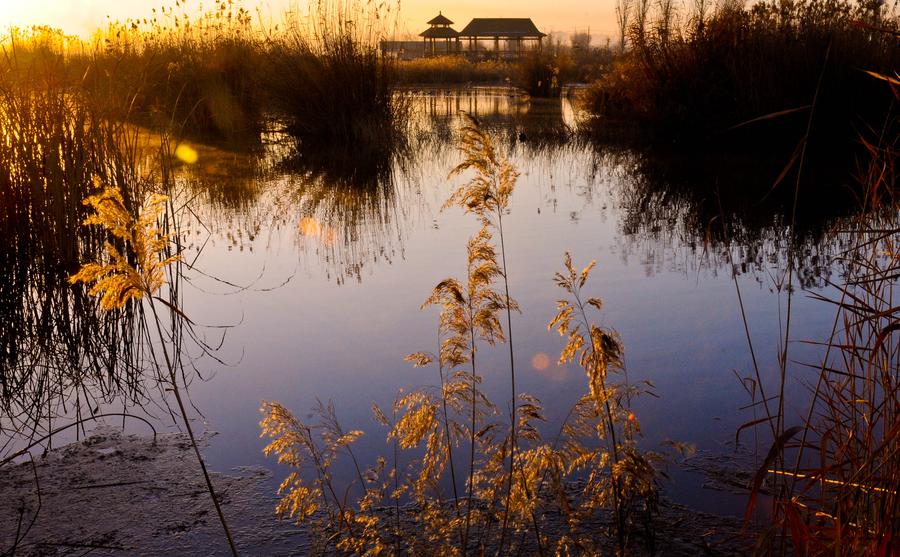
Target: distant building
column 516, row 34
column 497, row 37
column 440, row 30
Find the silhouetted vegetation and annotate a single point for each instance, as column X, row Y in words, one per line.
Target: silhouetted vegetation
column 217, row 75
column 454, row 70
column 188, row 73
column 689, row 74
column 329, row 81
column 56, row 349
column 541, row 73
column 832, row 469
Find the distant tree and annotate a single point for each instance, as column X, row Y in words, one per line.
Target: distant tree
column 701, row 9
column 623, row 15
column 581, row 40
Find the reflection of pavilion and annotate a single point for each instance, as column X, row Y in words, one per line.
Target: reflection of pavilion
column 502, row 37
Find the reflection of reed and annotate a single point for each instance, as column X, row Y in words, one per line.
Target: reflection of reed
column 352, row 209
column 57, row 352
column 343, row 206
column 683, row 212
column 346, row 206
column 668, row 202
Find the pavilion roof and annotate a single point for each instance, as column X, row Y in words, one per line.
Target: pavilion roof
column 512, row 27
column 440, row 19
column 439, row 33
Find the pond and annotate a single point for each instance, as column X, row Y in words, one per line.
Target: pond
column 310, row 276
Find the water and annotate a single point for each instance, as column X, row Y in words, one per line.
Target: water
column 318, row 273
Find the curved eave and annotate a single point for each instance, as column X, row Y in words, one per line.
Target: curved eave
column 439, row 33
column 502, row 35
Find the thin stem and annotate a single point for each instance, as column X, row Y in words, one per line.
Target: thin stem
column 447, row 431
column 187, row 424
column 512, row 400
column 610, row 424
column 471, row 486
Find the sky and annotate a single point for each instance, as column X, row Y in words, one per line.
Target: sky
column 81, row 17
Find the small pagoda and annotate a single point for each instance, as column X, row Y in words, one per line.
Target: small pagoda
column 440, row 30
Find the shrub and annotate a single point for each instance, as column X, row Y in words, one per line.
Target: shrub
column 704, row 76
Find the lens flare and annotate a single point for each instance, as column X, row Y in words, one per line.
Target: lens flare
column 186, row 154
column 311, row 227
column 540, row 361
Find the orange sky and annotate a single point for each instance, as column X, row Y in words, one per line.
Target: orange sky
column 82, row 16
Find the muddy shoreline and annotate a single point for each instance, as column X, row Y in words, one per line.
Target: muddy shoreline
column 115, row 494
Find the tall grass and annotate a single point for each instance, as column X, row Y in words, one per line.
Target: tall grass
column 833, row 468
column 507, row 482
column 327, row 79
column 458, row 70
column 58, row 351
column 218, row 74
column 182, row 72
column 541, row 73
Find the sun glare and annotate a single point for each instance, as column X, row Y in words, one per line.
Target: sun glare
column 83, row 17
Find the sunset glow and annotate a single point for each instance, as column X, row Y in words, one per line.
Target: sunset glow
column 82, row 17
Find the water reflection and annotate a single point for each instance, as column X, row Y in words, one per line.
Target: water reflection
column 674, row 211
column 676, row 216
column 348, row 216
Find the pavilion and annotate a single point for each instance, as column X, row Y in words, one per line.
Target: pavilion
column 440, row 30
column 516, row 34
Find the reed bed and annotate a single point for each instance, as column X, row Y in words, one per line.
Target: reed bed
column 697, row 72
column 832, row 470
column 329, row 82
column 218, row 75
column 183, row 72
column 454, row 70
column 54, row 341
column 541, row 73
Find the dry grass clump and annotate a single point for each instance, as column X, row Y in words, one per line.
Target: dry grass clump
column 833, row 468
column 478, row 482
column 692, row 72
column 189, row 73
column 445, row 70
column 326, row 77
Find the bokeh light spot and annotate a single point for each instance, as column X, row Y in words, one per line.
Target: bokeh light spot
column 186, row 154
column 540, row 361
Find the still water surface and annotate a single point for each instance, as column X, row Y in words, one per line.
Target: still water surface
column 336, row 265
column 319, row 270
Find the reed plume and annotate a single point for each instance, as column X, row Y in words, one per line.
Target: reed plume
column 118, row 281
column 515, row 479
